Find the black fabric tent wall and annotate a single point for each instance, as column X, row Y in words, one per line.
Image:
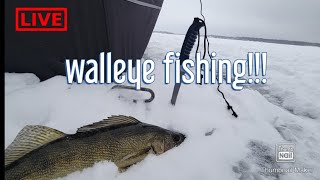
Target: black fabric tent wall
column 122, row 27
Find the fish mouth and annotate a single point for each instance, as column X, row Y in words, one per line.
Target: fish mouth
column 182, row 138
column 178, row 138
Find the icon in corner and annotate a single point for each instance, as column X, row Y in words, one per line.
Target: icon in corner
column 285, row 152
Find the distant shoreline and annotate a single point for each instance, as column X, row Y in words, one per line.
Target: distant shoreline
column 265, row 40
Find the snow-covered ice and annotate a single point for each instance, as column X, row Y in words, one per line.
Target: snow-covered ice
column 286, row 109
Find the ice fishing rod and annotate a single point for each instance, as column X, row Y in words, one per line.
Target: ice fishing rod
column 188, row 43
column 192, row 34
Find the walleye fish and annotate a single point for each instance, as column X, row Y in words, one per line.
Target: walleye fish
column 40, row 152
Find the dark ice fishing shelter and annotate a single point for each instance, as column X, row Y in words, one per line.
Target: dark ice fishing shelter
column 122, row 27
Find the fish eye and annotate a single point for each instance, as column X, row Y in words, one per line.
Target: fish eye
column 176, row 138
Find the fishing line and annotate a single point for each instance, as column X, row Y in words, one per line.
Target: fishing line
column 207, row 43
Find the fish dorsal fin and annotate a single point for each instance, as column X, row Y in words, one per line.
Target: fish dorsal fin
column 29, row 139
column 109, row 122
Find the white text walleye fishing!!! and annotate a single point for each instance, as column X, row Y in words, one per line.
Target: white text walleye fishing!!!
column 199, row 71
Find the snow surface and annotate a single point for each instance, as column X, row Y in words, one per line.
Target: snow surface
column 286, row 109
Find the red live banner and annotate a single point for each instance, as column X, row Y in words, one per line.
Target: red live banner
column 35, row 19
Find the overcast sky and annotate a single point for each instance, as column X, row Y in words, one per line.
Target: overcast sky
column 277, row 19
